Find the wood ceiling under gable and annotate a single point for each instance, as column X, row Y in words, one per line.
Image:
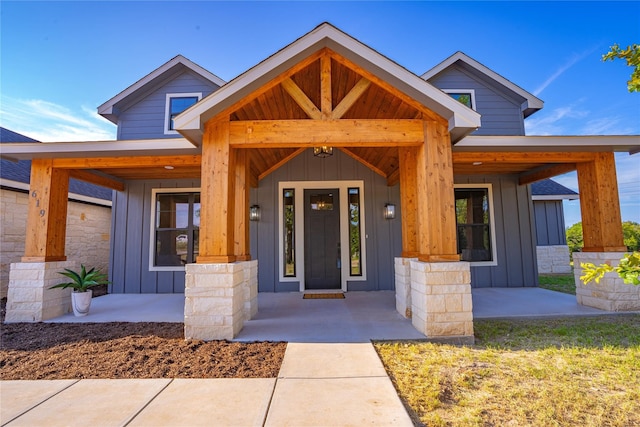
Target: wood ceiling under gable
column 371, row 102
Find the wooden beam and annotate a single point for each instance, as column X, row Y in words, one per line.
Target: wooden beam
column 546, row 172
column 126, row 162
column 241, row 202
column 47, row 213
column 347, row 102
column 301, row 99
column 96, row 179
column 217, row 203
column 340, row 133
column 437, row 236
column 522, row 157
column 326, row 100
column 600, row 205
column 393, row 178
column 281, row 162
column 408, row 174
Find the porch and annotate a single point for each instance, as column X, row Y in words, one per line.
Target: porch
column 360, row 317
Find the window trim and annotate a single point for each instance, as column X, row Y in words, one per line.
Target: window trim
column 167, row 104
column 492, row 224
column 299, row 187
column 152, row 227
column 471, row 92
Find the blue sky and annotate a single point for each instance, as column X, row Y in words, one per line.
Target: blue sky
column 60, row 60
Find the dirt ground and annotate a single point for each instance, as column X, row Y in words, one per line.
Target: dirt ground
column 38, row 351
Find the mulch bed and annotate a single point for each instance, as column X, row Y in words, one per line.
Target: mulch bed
column 39, row 351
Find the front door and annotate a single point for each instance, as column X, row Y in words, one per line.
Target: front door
column 322, row 239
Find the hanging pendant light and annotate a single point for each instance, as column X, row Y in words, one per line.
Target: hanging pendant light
column 323, row 151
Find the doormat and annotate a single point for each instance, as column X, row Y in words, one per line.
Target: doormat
column 324, row 296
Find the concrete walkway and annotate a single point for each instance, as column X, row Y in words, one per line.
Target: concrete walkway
column 318, row 385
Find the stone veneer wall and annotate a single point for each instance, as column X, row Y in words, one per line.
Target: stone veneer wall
column 611, row 294
column 87, row 241
column 29, row 297
column 553, row 259
column 218, row 299
column 438, row 299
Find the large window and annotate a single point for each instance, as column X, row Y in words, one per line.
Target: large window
column 476, row 241
column 176, row 103
column 176, row 228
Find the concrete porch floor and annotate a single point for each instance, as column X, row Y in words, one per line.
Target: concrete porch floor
column 360, row 317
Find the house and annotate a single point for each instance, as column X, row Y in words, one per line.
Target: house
column 325, row 167
column 552, row 251
column 88, row 216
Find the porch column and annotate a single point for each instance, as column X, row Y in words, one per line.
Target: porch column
column 440, row 285
column 214, row 286
column 603, row 238
column 29, row 298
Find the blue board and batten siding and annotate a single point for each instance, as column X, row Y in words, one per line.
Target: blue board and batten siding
column 549, row 217
column 131, row 228
column 146, row 118
column 501, row 115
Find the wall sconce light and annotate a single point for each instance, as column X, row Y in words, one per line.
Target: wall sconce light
column 322, row 152
column 254, row 213
column 389, row 211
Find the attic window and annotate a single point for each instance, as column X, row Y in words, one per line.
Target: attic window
column 176, row 103
column 466, row 97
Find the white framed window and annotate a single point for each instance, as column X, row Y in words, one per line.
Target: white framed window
column 476, row 235
column 175, row 228
column 291, row 234
column 175, row 104
column 466, row 97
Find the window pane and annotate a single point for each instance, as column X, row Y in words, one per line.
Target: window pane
column 473, row 223
column 177, row 105
column 289, row 232
column 463, row 98
column 321, row 202
column 171, row 247
column 172, row 210
column 354, row 232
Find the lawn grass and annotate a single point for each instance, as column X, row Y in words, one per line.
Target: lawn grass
column 549, row 372
column 558, row 282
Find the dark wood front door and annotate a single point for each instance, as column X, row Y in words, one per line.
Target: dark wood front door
column 322, row 239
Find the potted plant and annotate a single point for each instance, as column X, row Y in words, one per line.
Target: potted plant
column 80, row 283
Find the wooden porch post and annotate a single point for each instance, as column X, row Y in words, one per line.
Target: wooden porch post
column 436, row 203
column 241, row 216
column 409, row 200
column 217, row 202
column 600, row 205
column 47, row 213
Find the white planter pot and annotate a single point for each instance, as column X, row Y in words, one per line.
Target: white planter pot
column 81, row 302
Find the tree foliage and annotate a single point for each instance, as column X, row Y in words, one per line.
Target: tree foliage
column 632, row 56
column 628, row 269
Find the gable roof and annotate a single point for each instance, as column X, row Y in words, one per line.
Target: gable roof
column 529, row 102
column 462, row 120
column 17, row 175
column 548, row 189
column 175, row 66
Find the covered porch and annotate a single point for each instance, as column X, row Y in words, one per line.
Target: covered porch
column 360, row 317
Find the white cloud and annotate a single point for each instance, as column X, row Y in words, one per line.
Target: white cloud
column 573, row 59
column 554, row 123
column 49, row 122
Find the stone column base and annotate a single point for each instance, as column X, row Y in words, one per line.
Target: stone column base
column 250, row 289
column 441, row 302
column 403, row 286
column 217, row 296
column 29, row 298
column 611, row 294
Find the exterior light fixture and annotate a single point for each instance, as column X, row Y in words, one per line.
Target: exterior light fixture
column 389, row 211
column 168, row 167
column 254, row 213
column 323, row 151
column 477, row 163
